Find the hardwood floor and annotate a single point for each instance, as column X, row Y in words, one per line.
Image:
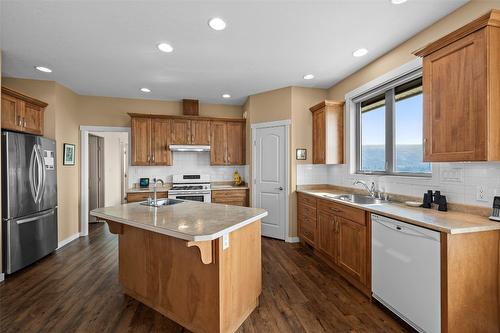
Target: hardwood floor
column 76, row 289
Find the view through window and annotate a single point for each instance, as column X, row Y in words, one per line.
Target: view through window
column 390, row 125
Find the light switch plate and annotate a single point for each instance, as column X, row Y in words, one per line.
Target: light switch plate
column 452, row 175
column 225, row 241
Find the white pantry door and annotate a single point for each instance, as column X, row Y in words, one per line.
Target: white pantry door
column 270, row 178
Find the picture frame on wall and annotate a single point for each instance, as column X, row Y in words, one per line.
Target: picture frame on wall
column 301, row 154
column 69, row 154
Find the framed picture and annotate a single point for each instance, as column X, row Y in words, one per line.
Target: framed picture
column 69, row 154
column 301, row 154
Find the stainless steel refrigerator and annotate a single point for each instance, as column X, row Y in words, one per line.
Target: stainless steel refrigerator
column 29, row 199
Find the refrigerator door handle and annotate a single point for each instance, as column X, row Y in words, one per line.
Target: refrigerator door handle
column 41, row 173
column 35, row 218
column 31, row 174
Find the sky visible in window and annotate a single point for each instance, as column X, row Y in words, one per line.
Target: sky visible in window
column 409, row 122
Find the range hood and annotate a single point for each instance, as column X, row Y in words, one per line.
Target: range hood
column 184, row 148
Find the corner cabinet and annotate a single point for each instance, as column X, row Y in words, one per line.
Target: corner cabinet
column 22, row 113
column 328, row 132
column 461, row 85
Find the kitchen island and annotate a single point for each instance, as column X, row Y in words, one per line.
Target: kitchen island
column 198, row 264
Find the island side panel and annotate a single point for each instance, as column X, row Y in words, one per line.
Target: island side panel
column 166, row 275
column 240, row 275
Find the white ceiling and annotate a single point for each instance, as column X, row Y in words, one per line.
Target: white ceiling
column 108, row 48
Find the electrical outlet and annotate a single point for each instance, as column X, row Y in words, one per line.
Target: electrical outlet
column 481, row 193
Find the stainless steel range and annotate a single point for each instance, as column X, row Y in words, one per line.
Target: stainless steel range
column 191, row 187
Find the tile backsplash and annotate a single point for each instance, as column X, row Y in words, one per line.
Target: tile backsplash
column 186, row 162
column 462, row 183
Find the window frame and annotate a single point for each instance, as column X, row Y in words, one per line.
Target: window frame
column 387, row 89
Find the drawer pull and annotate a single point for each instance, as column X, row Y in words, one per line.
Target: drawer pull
column 336, row 210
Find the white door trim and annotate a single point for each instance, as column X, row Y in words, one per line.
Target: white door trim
column 84, row 170
column 285, row 123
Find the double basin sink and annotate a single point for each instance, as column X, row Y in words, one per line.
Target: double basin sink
column 356, row 198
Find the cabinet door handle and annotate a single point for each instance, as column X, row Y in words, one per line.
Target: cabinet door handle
column 153, row 158
column 19, row 121
column 24, row 122
column 335, row 210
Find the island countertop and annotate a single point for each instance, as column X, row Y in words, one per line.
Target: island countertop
column 189, row 220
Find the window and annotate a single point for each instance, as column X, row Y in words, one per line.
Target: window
column 389, row 128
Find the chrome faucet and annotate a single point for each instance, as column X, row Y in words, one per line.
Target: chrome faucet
column 371, row 190
column 155, row 184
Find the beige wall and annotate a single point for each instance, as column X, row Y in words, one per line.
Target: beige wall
column 403, row 53
column 68, row 111
column 301, row 137
column 287, row 103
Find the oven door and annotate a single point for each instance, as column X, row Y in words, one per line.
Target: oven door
column 191, row 196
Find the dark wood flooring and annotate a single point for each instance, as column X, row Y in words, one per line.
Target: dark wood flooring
column 76, row 289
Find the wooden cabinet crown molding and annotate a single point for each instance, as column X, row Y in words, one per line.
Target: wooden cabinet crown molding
column 492, row 18
column 24, row 97
column 322, row 104
column 168, row 116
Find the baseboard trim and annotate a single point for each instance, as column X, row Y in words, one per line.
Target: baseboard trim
column 292, row 240
column 67, row 240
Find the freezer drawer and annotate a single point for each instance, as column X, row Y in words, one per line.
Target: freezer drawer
column 27, row 239
column 406, row 274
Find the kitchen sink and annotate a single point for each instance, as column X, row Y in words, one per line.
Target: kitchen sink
column 356, row 198
column 161, row 202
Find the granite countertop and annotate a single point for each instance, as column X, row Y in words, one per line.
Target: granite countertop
column 228, row 186
column 189, row 220
column 163, row 188
column 451, row 222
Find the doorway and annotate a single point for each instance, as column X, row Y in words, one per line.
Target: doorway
column 270, row 170
column 115, row 163
column 96, row 174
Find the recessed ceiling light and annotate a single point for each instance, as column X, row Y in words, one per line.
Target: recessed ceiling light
column 308, row 77
column 226, row 96
column 44, row 69
column 146, row 90
column 164, row 47
column 217, row 23
column 398, row 2
column 360, row 52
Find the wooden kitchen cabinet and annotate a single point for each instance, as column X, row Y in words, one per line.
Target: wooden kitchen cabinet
column 339, row 234
column 328, row 132
column 200, row 132
column 235, row 143
column 461, row 84
column 181, row 131
column 327, row 236
column 352, row 253
column 143, row 196
column 150, row 141
column 235, row 197
column 218, row 138
column 227, row 143
column 160, row 140
column 22, row 113
column 152, row 135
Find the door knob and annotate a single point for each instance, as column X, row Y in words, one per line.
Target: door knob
column 279, row 188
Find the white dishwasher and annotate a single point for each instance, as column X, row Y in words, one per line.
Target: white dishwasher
column 406, row 272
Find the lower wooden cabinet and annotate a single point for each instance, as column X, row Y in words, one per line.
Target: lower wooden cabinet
column 143, row 196
column 339, row 234
column 238, row 197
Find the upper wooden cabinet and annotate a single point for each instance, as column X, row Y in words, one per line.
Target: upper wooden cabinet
column 22, row 113
column 152, row 135
column 150, row 141
column 190, row 132
column 461, row 85
column 328, row 132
